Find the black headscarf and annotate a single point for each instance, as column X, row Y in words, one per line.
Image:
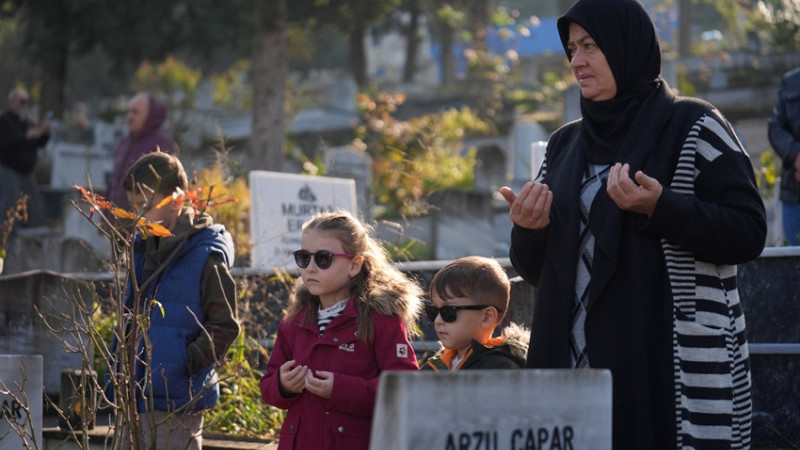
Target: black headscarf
column 627, row 37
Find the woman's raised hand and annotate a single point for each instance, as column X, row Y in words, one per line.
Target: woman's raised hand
column 531, row 207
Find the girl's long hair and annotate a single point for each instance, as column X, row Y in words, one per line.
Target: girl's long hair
column 379, row 286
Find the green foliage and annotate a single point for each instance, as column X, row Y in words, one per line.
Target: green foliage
column 103, row 322
column 231, row 87
column 685, row 87
column 768, row 173
column 412, row 159
column 489, row 73
column 412, row 250
column 168, row 78
column 780, row 21
column 448, row 15
column 221, row 180
column 541, row 97
column 240, row 410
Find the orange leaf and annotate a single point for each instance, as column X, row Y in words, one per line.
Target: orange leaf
column 92, row 198
column 165, row 202
column 123, row 214
column 177, row 195
column 158, row 230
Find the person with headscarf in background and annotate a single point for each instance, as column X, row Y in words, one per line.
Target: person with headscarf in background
column 631, row 233
column 146, row 115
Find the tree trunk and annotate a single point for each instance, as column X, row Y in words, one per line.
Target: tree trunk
column 685, row 28
column 447, row 57
column 412, row 42
column 54, row 78
column 270, row 73
column 52, row 54
column 480, row 24
column 358, row 57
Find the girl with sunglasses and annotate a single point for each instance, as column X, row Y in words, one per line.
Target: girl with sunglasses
column 350, row 318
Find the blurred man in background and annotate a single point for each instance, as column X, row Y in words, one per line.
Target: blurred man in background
column 784, row 136
column 20, row 141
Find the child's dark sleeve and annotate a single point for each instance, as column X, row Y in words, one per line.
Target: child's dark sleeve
column 218, row 299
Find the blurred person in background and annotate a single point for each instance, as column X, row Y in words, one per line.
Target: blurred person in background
column 784, row 136
column 146, row 115
column 20, row 141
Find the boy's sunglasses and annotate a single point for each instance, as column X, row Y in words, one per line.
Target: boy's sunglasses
column 323, row 258
column 450, row 313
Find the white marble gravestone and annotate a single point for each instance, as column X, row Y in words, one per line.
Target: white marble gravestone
column 281, row 202
column 493, row 410
column 21, row 408
column 524, row 134
column 73, row 163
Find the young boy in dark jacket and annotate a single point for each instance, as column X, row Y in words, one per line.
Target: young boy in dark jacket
column 469, row 298
column 188, row 274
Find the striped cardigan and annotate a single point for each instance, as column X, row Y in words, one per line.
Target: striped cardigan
column 712, row 372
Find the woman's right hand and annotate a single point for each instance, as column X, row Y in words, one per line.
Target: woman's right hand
column 293, row 378
column 531, row 207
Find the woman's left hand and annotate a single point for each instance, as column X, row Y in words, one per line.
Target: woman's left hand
column 321, row 384
column 640, row 196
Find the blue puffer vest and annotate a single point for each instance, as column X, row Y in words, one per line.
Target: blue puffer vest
column 177, row 289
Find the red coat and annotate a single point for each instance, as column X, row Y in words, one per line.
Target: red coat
column 344, row 420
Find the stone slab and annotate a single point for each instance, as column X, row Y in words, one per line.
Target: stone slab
column 73, row 163
column 494, row 410
column 342, row 162
column 29, row 297
column 21, row 409
column 524, row 133
column 281, row 202
column 768, row 288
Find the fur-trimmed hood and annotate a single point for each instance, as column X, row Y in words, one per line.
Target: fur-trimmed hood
column 406, row 304
column 517, row 338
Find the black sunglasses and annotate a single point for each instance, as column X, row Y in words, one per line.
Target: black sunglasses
column 450, row 313
column 323, row 258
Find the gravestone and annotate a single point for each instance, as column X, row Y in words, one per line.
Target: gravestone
column 768, row 288
column 524, row 133
column 74, row 162
column 458, row 216
column 77, row 226
column 281, row 202
column 30, row 298
column 106, row 136
column 21, row 409
column 494, row 410
column 490, row 167
column 342, row 162
column 343, row 94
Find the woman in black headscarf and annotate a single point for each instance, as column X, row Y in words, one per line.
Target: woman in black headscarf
column 631, row 233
